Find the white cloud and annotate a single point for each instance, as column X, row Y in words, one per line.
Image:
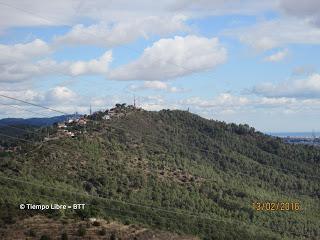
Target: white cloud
column 156, row 85
column 123, row 32
column 60, row 98
column 305, row 88
column 155, row 103
column 171, row 58
column 221, row 101
column 228, row 104
column 26, row 69
column 59, row 94
column 94, row 66
column 278, row 56
column 277, row 33
column 60, row 12
column 23, row 51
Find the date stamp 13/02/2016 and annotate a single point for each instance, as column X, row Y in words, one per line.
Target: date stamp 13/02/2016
column 276, row 206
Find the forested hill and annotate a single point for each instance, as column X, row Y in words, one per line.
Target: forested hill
column 170, row 170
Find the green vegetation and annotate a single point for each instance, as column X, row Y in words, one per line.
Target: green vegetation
column 45, row 237
column 103, row 231
column 81, row 231
column 64, row 236
column 171, row 170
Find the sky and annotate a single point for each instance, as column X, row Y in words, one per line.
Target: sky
column 242, row 61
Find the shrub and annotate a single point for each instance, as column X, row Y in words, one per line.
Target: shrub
column 32, row 233
column 45, row 237
column 64, row 236
column 81, row 231
column 96, row 223
column 113, row 236
column 103, row 231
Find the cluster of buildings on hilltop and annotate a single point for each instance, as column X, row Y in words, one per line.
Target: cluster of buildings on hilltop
column 70, row 128
column 75, row 126
column 118, row 111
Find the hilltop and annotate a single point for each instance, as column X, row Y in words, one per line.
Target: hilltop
column 169, row 170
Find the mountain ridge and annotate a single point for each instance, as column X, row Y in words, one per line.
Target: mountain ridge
column 181, row 162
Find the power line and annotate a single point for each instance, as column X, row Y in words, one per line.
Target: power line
column 28, row 12
column 239, row 173
column 184, row 213
column 159, row 138
column 205, row 150
column 17, row 128
column 20, row 139
column 26, row 110
column 33, row 104
column 199, row 149
column 104, row 207
column 131, row 49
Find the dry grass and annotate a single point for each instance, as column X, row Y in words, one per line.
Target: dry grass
column 34, row 227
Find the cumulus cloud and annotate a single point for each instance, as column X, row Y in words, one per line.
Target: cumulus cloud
column 222, row 100
column 278, row 56
column 277, row 33
column 23, row 51
column 26, row 67
column 94, row 66
column 156, row 85
column 61, row 98
column 227, row 103
column 24, row 71
column 173, row 57
column 110, row 35
column 305, row 88
column 59, row 94
column 155, row 103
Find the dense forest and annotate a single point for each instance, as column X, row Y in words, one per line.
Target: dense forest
column 169, row 170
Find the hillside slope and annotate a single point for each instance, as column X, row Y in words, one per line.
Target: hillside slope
column 171, row 170
column 40, row 226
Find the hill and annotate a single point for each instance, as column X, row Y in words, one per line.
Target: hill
column 170, row 170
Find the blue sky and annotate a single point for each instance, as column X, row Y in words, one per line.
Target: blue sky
column 240, row 61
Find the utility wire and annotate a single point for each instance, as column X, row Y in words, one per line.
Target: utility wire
column 203, row 150
column 28, row 12
column 33, row 104
column 131, row 49
column 17, row 128
column 199, row 149
column 26, row 110
column 20, row 139
column 159, row 209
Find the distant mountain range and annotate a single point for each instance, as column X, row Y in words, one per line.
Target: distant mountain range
column 37, row 122
column 294, row 134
